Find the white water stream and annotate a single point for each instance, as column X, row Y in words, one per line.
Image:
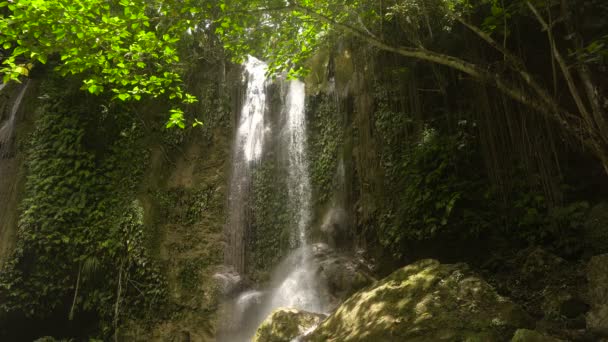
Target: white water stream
column 297, row 286
column 7, row 130
column 294, row 282
column 248, row 146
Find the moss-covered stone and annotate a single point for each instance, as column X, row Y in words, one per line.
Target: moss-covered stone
column 285, row 324
column 425, row 301
column 526, row 335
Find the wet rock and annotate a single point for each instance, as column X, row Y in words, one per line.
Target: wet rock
column 597, row 276
column 562, row 303
column 425, row 301
column 285, row 324
column 334, row 227
column 342, row 275
column 549, row 288
column 526, row 335
column 538, row 264
column 229, row 281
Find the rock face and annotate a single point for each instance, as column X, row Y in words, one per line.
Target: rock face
column 550, row 289
column 343, row 275
column 597, row 276
column 595, row 231
column 425, row 301
column 285, row 324
column 526, row 335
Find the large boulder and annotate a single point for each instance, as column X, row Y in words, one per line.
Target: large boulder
column 425, row 301
column 285, row 324
column 597, row 276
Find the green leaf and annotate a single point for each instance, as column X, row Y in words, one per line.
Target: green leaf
column 197, row 123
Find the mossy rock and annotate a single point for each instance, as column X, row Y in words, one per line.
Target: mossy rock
column 425, row 301
column 526, row 335
column 285, row 324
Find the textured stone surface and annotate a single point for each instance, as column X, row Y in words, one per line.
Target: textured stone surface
column 526, row 335
column 425, row 301
column 596, row 229
column 597, row 276
column 285, row 324
column 343, row 275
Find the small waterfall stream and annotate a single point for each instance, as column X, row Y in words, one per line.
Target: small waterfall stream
column 293, row 283
column 247, row 151
column 299, row 177
column 297, row 285
column 7, row 129
column 8, row 169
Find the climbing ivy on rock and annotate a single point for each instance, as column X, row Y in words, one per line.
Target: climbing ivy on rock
column 326, row 140
column 81, row 237
column 271, row 220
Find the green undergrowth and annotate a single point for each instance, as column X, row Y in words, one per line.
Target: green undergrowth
column 437, row 188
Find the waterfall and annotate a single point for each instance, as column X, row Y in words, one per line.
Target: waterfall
column 7, row 129
column 8, row 173
column 299, row 177
column 247, row 151
column 293, row 283
column 296, row 285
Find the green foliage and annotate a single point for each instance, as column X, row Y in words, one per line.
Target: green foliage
column 435, row 184
column 536, row 223
column 123, row 47
column 79, row 223
column 438, row 189
column 433, row 180
column 326, row 140
column 185, row 206
column 189, row 275
column 596, row 52
column 271, row 221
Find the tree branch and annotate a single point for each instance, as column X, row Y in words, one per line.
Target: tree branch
column 546, row 107
column 564, row 68
column 516, row 63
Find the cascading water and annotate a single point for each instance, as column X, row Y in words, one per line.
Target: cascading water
column 248, row 145
column 7, row 129
column 297, row 285
column 299, row 179
column 294, row 282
